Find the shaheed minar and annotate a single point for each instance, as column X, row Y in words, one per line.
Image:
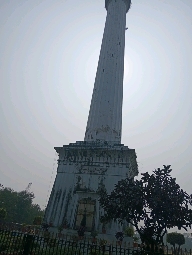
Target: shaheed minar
column 100, row 161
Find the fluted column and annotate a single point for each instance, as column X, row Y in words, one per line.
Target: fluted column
column 105, row 115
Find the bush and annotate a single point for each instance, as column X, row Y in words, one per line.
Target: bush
column 3, row 247
column 3, row 213
column 94, row 234
column 129, row 231
column 119, row 236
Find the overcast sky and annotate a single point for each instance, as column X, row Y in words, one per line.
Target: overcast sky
column 49, row 51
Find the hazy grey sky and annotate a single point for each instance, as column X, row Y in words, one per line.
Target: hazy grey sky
column 49, row 51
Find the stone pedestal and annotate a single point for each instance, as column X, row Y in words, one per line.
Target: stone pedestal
column 83, row 169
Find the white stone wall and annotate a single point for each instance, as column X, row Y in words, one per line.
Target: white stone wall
column 105, row 115
column 81, row 171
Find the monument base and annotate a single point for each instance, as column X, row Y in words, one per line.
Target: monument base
column 84, row 168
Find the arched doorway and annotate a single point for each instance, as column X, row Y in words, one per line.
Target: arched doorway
column 86, row 206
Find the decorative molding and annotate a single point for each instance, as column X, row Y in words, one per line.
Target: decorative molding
column 92, row 170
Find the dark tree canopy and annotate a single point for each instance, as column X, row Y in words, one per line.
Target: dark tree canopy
column 156, row 201
column 3, row 213
column 175, row 238
column 37, row 220
column 19, row 205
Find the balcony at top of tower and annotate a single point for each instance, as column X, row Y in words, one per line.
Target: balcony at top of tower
column 127, row 2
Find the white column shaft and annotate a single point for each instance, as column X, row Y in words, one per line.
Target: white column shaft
column 105, row 115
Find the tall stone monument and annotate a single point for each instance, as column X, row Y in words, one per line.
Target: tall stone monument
column 99, row 161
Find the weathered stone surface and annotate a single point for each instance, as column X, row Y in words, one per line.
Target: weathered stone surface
column 83, row 169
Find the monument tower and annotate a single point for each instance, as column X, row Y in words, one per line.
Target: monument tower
column 100, row 161
column 105, row 116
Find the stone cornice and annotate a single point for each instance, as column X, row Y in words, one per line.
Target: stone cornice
column 91, row 157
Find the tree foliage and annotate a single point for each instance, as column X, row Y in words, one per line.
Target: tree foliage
column 175, row 238
column 3, row 213
column 37, row 220
column 129, row 231
column 152, row 205
column 19, row 205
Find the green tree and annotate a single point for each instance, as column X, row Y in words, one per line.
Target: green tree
column 23, row 206
column 129, row 231
column 37, row 220
column 3, row 213
column 176, row 238
column 152, row 205
column 8, row 198
column 19, row 205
